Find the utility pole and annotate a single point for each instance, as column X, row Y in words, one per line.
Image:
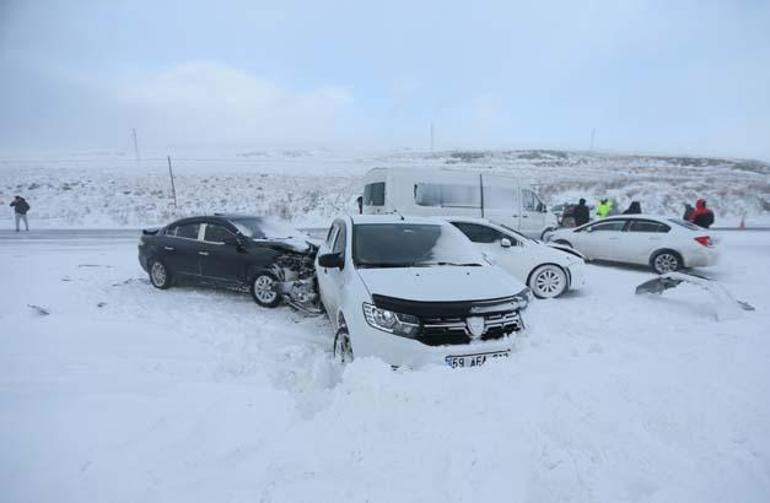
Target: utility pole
column 593, row 134
column 431, row 137
column 171, row 175
column 136, row 145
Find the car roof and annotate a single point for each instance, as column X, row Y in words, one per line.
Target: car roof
column 638, row 216
column 392, row 218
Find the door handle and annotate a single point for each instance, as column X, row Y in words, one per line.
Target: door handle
column 204, row 253
column 525, row 216
column 169, row 248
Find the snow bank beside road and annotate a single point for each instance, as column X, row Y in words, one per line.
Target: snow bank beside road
column 310, row 188
column 127, row 393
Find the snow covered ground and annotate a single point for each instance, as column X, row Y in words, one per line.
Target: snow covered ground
column 312, row 187
column 126, row 393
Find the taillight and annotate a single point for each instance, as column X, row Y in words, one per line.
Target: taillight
column 704, row 240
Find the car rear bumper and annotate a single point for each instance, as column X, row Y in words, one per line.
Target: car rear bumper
column 702, row 257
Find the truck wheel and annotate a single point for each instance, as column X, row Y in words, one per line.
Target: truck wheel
column 264, row 289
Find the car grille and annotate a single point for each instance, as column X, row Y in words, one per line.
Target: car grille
column 454, row 331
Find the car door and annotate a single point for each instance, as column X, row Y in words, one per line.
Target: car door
column 335, row 276
column 533, row 214
column 220, row 257
column 501, row 202
column 325, row 286
column 180, row 249
column 602, row 239
column 489, row 240
column 642, row 237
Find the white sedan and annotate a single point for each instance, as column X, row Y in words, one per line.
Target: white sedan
column 665, row 244
column 548, row 271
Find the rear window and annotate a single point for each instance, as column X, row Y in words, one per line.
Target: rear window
column 374, row 194
column 685, row 224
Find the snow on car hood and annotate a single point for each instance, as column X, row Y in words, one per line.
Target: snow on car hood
column 441, row 283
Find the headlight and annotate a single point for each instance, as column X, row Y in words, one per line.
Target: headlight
column 522, row 299
column 401, row 324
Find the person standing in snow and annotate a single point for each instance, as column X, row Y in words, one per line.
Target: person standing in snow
column 580, row 213
column 633, row 209
column 20, row 208
column 702, row 216
column 604, row 208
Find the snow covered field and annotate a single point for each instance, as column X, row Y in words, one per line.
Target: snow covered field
column 127, row 393
column 312, row 187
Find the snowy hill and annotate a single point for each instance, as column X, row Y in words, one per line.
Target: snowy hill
column 104, row 189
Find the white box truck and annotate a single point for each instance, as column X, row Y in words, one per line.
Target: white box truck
column 443, row 192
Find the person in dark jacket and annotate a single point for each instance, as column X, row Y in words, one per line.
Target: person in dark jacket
column 20, row 208
column 702, row 216
column 633, row 209
column 580, row 213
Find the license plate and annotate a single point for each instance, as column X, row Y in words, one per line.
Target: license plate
column 477, row 360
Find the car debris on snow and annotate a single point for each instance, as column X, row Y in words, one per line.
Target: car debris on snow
column 726, row 306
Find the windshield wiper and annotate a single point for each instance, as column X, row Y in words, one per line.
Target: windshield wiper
column 373, row 265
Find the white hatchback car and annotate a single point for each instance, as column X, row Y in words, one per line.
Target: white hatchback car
column 548, row 272
column 665, row 244
column 414, row 291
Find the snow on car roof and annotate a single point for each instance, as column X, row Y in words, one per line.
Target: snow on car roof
column 392, row 218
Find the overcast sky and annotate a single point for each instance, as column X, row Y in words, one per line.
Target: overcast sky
column 668, row 76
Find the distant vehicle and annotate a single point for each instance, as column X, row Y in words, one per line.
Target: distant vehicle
column 548, row 272
column 273, row 261
column 414, row 291
column 665, row 244
column 440, row 192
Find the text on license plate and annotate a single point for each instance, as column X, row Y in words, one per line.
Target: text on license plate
column 474, row 360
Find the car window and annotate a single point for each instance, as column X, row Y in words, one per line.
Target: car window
column 647, row 226
column 481, row 233
column 374, row 194
column 685, row 224
column 447, row 195
column 189, row 231
column 217, row 234
column 339, row 242
column 610, row 225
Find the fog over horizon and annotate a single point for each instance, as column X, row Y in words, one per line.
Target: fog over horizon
column 649, row 76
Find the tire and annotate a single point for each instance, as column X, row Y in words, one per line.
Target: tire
column 264, row 289
column 160, row 275
column 342, row 349
column 546, row 232
column 548, row 281
column 666, row 261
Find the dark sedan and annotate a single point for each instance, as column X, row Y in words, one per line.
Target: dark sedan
column 229, row 250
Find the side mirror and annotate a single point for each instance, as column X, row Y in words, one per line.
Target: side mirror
column 331, row 260
column 505, row 243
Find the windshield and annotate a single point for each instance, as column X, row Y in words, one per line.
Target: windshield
column 411, row 245
column 265, row 228
column 518, row 234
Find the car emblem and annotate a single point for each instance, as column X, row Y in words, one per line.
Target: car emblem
column 475, row 326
